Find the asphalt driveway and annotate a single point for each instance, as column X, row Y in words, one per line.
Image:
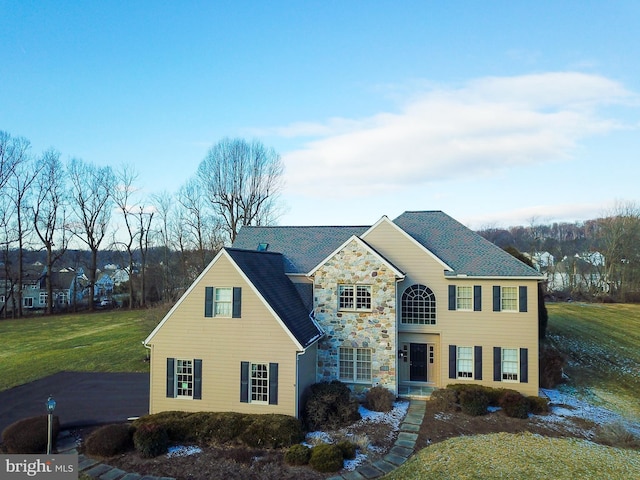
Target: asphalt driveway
column 83, row 398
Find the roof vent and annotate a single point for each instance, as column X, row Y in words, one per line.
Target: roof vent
column 262, row 247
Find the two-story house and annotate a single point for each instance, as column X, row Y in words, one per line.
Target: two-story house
column 411, row 304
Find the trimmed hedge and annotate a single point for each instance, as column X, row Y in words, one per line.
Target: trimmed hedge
column 379, row 399
column 297, row 455
column 109, row 440
column 326, row 458
column 30, row 435
column 474, row 400
column 204, row 428
column 151, row 440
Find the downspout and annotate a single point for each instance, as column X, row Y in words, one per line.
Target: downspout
column 397, row 335
column 148, row 347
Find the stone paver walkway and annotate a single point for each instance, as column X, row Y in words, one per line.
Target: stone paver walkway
column 399, row 453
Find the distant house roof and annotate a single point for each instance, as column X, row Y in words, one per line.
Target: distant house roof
column 265, row 270
column 457, row 246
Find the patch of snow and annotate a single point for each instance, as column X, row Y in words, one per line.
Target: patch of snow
column 492, row 409
column 351, row 465
column 182, row 451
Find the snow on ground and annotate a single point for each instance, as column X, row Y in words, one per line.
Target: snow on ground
column 393, row 418
column 181, row 451
column 565, row 407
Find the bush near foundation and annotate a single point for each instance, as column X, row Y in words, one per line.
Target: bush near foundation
column 379, row 399
column 474, row 400
column 151, row 440
column 348, row 449
column 30, row 435
column 329, row 406
column 109, row 440
column 514, row 404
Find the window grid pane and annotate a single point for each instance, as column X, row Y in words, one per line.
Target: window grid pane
column 346, row 294
column 363, row 364
column 346, row 363
column 464, row 298
column 259, row 383
column 222, row 304
column 418, row 306
column 510, row 364
column 184, row 378
column 509, row 298
column 465, row 362
column 363, row 297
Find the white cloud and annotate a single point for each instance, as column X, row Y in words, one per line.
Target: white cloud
column 479, row 129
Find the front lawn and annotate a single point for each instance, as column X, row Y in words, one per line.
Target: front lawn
column 111, row 341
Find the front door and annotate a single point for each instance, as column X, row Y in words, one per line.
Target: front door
column 418, row 359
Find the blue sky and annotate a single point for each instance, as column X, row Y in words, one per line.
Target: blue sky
column 499, row 113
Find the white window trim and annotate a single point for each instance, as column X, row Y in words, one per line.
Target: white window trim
column 251, row 380
column 470, row 373
column 24, row 302
column 502, row 299
column 176, row 373
column 354, row 378
column 427, row 300
column 502, row 362
column 355, row 297
column 459, row 297
column 216, row 303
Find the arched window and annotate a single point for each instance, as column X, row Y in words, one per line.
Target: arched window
column 418, row 306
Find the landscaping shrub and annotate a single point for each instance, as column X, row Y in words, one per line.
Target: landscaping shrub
column 473, row 401
column 445, row 400
column 379, row 399
column 297, row 455
column 326, row 458
column 552, row 363
column 330, row 406
column 348, row 449
column 514, row 404
column 29, row 435
column 538, row 405
column 151, row 440
column 174, row 423
column 272, row 431
column 109, row 440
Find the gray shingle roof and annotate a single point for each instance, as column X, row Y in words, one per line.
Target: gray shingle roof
column 461, row 248
column 265, row 270
column 303, row 247
column 456, row 245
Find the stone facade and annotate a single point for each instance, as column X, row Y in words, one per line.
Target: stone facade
column 374, row 329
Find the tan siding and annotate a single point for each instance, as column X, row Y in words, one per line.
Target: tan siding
column 222, row 343
column 485, row 328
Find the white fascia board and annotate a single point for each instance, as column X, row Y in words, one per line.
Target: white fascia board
column 385, row 219
column 185, row 294
column 364, row 245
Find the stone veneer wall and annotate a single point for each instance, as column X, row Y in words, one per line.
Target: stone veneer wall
column 375, row 329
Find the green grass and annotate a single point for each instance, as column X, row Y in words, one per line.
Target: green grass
column 36, row 347
column 602, row 344
column 522, row 456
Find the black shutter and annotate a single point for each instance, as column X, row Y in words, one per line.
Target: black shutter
column 197, row 379
column 171, row 371
column 452, row 361
column 496, row 298
column 523, row 299
column 497, row 364
column 244, row 382
column 273, row 384
column 452, row 297
column 477, row 363
column 208, row 301
column 477, row 298
column 237, row 302
column 524, row 365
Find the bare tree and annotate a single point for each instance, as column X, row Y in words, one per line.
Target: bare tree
column 49, row 215
column 91, row 190
column 163, row 204
column 242, row 181
column 144, row 217
column 13, row 151
column 122, row 194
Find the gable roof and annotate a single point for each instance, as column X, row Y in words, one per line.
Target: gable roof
column 265, row 271
column 396, row 271
column 467, row 252
column 303, row 247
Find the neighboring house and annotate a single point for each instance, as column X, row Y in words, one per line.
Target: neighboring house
column 411, row 304
column 579, row 273
column 103, row 286
column 542, row 261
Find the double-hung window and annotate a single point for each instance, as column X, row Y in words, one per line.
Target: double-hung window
column 509, row 299
column 354, row 297
column 464, row 362
column 27, row 302
column 184, row 378
column 510, row 364
column 222, row 302
column 355, row 364
column 259, row 383
column 464, row 298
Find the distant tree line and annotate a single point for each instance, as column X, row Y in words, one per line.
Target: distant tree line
column 163, row 239
column 616, row 235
